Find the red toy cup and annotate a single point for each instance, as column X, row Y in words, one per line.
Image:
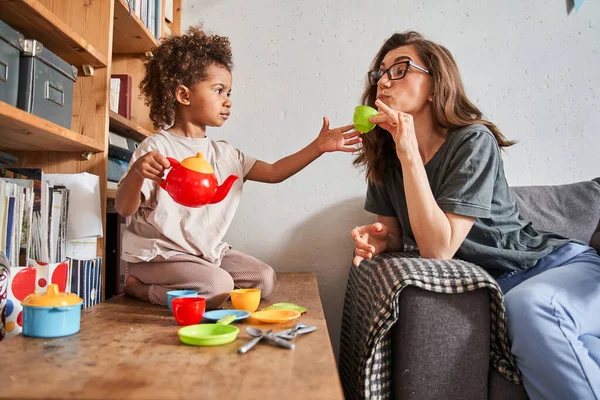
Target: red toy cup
column 188, row 310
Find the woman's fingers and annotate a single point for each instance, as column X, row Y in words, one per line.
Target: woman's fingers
column 361, row 240
column 363, row 253
column 357, row 260
column 386, row 110
column 380, row 118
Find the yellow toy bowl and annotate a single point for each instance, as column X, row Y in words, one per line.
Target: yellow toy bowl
column 275, row 316
column 245, row 299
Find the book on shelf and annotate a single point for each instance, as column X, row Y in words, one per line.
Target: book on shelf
column 115, row 89
column 169, row 10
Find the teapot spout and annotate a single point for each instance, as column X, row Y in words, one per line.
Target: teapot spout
column 223, row 190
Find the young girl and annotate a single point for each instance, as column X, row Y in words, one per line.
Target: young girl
column 168, row 246
column 436, row 177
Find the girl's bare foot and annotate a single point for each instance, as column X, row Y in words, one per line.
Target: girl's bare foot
column 136, row 288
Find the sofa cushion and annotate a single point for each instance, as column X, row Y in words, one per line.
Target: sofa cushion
column 501, row 389
column 571, row 210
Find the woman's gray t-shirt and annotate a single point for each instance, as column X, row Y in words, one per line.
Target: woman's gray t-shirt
column 466, row 176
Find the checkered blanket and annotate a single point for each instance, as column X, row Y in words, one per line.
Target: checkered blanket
column 371, row 309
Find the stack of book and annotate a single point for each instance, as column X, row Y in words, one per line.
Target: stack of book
column 34, row 217
column 149, row 11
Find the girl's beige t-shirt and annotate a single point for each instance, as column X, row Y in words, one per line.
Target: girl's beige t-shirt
column 162, row 227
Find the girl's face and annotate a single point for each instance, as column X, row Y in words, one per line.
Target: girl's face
column 209, row 99
column 412, row 93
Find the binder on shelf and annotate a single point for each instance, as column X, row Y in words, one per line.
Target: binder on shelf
column 122, row 84
column 121, row 147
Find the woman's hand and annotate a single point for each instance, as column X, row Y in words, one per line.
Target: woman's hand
column 151, row 166
column 369, row 240
column 336, row 139
column 402, row 128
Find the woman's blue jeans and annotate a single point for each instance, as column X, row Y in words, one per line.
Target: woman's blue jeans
column 553, row 320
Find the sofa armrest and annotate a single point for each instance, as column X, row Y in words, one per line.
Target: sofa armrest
column 441, row 345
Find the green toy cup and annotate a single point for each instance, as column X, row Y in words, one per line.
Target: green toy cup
column 361, row 118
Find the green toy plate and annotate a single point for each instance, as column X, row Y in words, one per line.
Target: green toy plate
column 208, row 334
column 286, row 306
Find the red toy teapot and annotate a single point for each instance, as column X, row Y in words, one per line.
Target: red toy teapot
column 192, row 182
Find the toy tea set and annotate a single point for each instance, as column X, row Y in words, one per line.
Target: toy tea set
column 192, row 183
column 189, row 309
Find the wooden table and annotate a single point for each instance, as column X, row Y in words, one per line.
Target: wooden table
column 129, row 349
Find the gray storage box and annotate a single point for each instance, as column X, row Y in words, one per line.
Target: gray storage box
column 46, row 84
column 10, row 49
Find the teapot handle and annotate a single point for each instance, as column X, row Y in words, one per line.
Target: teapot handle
column 173, row 162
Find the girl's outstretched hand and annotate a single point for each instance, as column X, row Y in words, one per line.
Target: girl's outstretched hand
column 151, row 166
column 369, row 240
column 336, row 139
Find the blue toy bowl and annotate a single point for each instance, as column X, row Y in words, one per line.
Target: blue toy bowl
column 178, row 293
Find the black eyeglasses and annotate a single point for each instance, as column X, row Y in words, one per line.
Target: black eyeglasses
column 394, row 72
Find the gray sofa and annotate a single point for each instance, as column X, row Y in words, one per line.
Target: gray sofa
column 441, row 342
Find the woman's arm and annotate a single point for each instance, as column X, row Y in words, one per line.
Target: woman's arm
column 394, row 240
column 438, row 234
column 327, row 141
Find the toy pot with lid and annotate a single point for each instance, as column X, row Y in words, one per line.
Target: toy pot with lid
column 53, row 314
column 192, row 182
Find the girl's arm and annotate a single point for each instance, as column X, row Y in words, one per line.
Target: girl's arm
column 327, row 141
column 129, row 194
column 151, row 165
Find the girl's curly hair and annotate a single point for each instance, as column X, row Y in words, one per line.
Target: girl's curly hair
column 180, row 60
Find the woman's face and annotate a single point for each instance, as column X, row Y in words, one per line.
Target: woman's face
column 410, row 94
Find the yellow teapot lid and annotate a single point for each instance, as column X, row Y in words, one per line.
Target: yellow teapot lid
column 198, row 164
column 52, row 298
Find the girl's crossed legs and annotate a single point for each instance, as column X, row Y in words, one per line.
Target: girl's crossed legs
column 150, row 281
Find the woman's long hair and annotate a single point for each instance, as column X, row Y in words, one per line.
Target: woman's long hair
column 451, row 107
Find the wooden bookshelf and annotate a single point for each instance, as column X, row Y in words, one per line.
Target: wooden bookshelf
column 98, row 33
column 130, row 34
column 20, row 130
column 80, row 32
column 35, row 21
column 127, row 128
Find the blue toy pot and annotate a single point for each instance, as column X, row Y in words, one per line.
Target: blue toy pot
column 53, row 314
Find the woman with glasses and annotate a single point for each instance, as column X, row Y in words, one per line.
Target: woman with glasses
column 436, row 179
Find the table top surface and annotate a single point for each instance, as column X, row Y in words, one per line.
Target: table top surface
column 128, row 348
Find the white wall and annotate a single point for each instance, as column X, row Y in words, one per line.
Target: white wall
column 530, row 67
